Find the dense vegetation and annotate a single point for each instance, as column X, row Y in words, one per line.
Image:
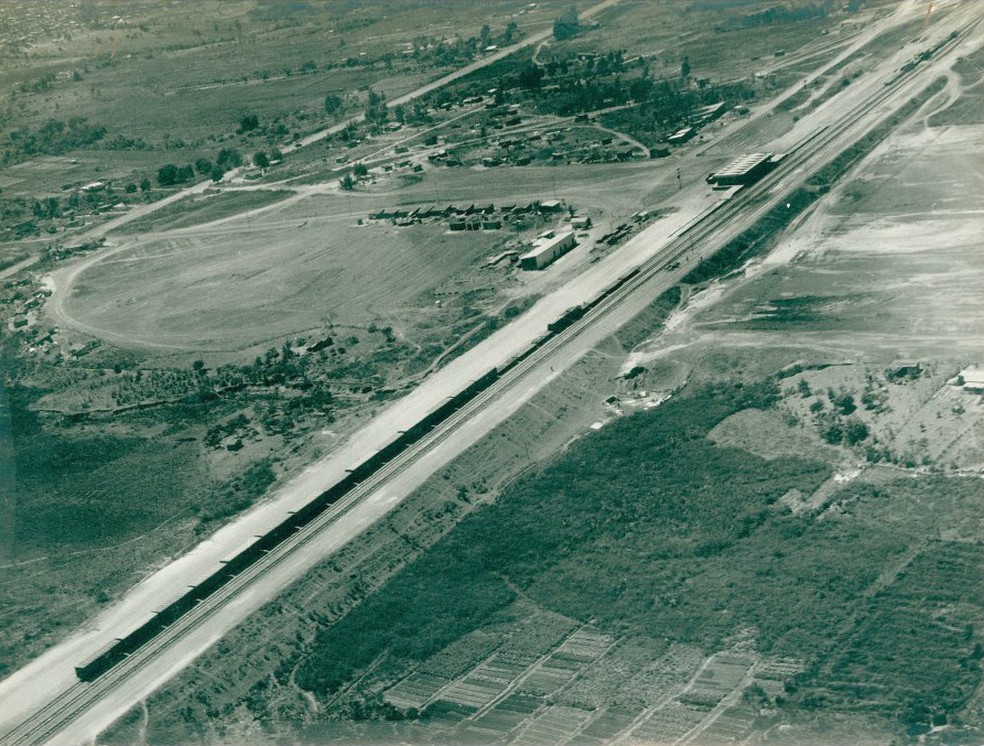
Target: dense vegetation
column 648, row 528
column 54, row 137
column 650, row 491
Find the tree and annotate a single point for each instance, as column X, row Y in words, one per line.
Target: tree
column 248, row 123
column 333, row 104
column 167, row 175
column 844, row 403
column 229, row 158
column 531, row 77
column 685, row 67
column 145, row 185
column 203, row 166
column 347, row 182
column 855, row 432
column 360, row 170
column 217, row 173
column 509, row 33
column 567, row 25
column 261, row 160
column 131, row 188
column 376, row 108
column 485, row 35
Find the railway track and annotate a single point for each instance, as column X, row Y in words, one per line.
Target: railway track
column 677, row 258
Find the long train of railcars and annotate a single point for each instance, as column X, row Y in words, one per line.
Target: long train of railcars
column 118, row 650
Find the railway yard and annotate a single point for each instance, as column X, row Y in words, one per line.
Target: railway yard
column 436, row 305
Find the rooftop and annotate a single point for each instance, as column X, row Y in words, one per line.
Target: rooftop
column 743, row 164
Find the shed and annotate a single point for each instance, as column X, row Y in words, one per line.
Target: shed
column 545, row 252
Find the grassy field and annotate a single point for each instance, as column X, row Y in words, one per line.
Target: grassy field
column 203, row 209
column 94, row 508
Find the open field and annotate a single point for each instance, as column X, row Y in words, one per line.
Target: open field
column 225, row 291
column 292, row 266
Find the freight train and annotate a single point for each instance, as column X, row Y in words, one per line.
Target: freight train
column 120, row 649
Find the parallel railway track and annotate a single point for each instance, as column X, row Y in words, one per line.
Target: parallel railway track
column 695, row 239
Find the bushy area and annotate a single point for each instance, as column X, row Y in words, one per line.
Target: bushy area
column 649, row 528
column 67, row 491
column 92, row 509
column 913, row 653
column 600, row 533
column 51, row 138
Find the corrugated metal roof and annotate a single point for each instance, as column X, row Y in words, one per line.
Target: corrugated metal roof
column 743, row 165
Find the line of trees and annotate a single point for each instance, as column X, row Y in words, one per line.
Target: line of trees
column 171, row 174
column 54, row 137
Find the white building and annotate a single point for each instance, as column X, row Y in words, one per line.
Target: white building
column 546, row 251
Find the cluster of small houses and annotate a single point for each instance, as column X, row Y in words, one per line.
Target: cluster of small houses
column 542, row 251
column 514, row 151
column 699, row 118
column 26, row 313
column 24, row 306
column 471, row 218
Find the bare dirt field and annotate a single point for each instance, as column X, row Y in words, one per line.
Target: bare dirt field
column 228, row 290
column 290, row 267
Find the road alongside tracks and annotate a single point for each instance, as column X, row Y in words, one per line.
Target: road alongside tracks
column 76, row 712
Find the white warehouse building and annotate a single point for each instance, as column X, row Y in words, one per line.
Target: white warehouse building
column 547, row 250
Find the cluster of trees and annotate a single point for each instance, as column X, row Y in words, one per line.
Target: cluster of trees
column 444, row 53
column 170, row 174
column 295, row 387
column 54, row 137
column 651, row 483
column 333, row 104
column 228, row 158
column 780, row 14
column 46, row 208
column 376, row 111
column 568, row 25
column 21, row 216
column 248, row 123
column 411, row 113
